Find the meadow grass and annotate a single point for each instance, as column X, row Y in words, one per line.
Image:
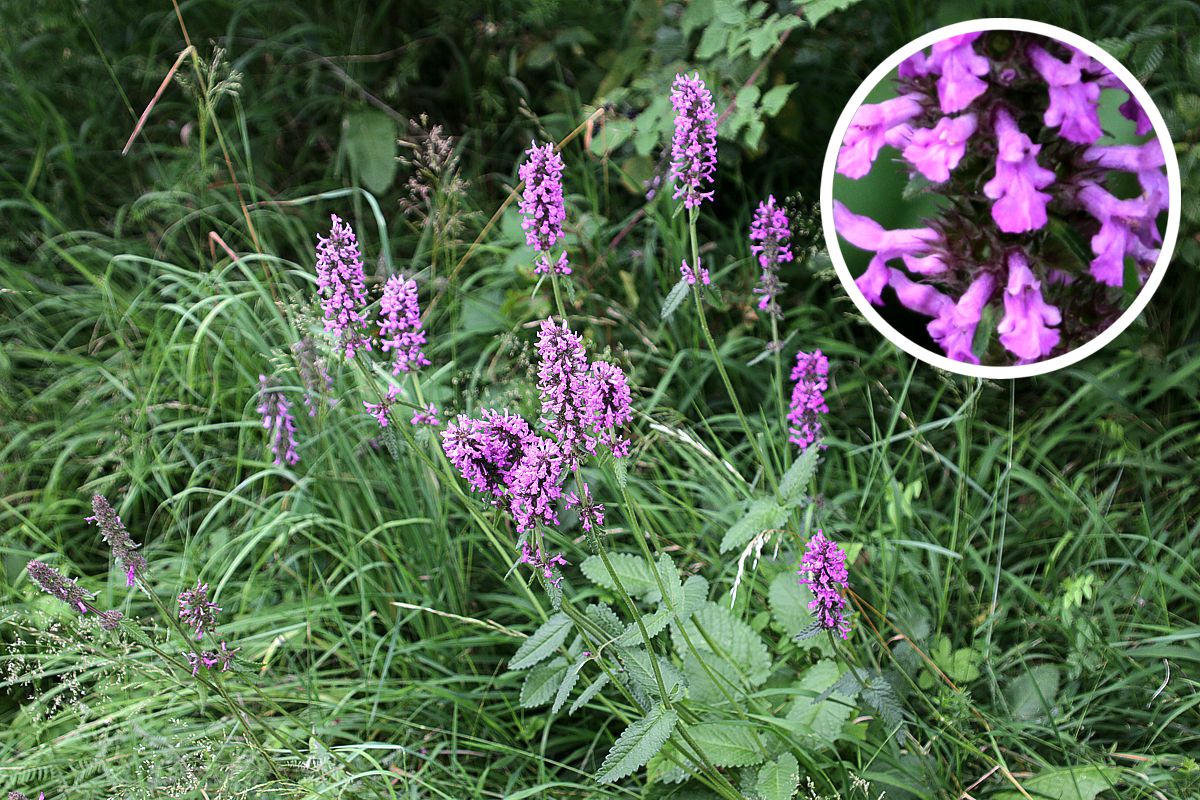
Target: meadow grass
column 1035, row 540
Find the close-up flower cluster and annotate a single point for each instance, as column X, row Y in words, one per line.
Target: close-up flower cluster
column 1038, row 196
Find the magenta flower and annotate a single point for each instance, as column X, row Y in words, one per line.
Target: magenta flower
column 566, row 388
column 542, row 562
column 1127, row 227
column 197, row 612
column 823, row 571
column 937, row 150
column 1144, row 160
column 1132, row 110
column 1019, row 206
column 400, row 325
column 689, row 275
column 610, row 406
column 1027, row 328
column 919, row 297
column 810, row 380
column 342, row 285
column 959, row 67
column 534, row 484
column 486, row 450
column 55, row 584
column 278, row 421
column 694, row 147
column 426, row 416
column 542, row 206
column 381, row 409
column 1074, row 102
column 954, row 327
column 221, row 657
column 867, row 234
column 591, row 513
column 113, row 531
column 770, row 235
column 873, row 126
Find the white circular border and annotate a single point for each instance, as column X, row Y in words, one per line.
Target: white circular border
column 1108, row 334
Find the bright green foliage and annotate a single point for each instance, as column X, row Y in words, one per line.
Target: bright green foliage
column 763, row 514
column 637, row 744
column 543, row 643
column 778, row 779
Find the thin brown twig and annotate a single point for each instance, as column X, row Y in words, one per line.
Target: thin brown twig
column 150, row 106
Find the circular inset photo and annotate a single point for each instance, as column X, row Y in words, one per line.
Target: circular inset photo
column 1000, row 198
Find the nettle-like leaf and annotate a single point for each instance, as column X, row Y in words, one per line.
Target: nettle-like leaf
column 728, row 744
column 685, row 599
column 542, row 644
column 1071, row 783
column 637, row 744
column 642, row 680
column 635, row 573
column 817, row 10
column 675, row 298
column 819, row 722
column 778, row 779
column 789, row 601
column 369, row 137
column 588, row 693
column 876, row 691
column 542, row 682
column 734, row 640
column 568, row 683
column 1032, row 692
column 763, row 514
column 662, row 769
column 795, row 481
column 606, row 618
column 711, row 679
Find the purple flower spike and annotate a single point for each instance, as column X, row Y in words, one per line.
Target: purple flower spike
column 485, row 451
column 197, row 612
column 959, row 68
column 278, row 421
column 936, row 151
column 1019, row 206
column 689, row 274
column 342, row 285
column 1027, row 328
column 426, row 416
column 823, row 570
column 873, row 126
column 542, row 562
column 610, row 406
column 769, row 234
column 123, row 547
column 954, row 328
column 1074, row 102
column 55, row 584
column 694, row 147
column 591, row 513
column 542, row 206
column 810, row 379
column 534, row 484
column 400, row 325
column 380, row 410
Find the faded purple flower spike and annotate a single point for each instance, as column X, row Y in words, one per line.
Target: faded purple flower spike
column 314, row 376
column 542, row 206
column 542, row 562
column 221, row 657
column 867, row 234
column 278, row 421
column 689, row 274
column 111, row 620
column 936, row 151
column 770, row 234
column 694, row 148
column 485, row 451
column 954, row 328
column 55, row 584
column 342, row 284
column 400, row 325
column 534, row 484
column 124, row 549
column 1019, row 206
column 1027, row 328
column 873, row 126
column 823, row 571
column 1074, row 102
column 426, row 416
column 197, row 612
column 380, row 410
column 810, row 378
column 959, row 67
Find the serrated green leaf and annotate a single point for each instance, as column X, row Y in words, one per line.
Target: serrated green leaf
column 641, row 673
column 675, row 298
column 542, row 682
column 738, row 643
column 819, row 723
column 712, row 41
column 568, row 683
column 369, row 136
column 633, row 571
column 661, row 769
column 542, row 644
column 1074, row 783
column 1034, row 691
column 588, row 693
column 606, row 618
column 710, row 678
column 730, row 12
column 763, row 514
column 775, row 98
column 817, row 10
column 637, row 744
column 727, row 744
column 778, row 779
column 794, row 483
column 697, row 14
column 685, row 600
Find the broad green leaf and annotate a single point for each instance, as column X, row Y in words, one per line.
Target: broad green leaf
column 675, row 298
column 817, row 10
column 614, row 134
column 772, row 103
column 637, row 744
column 710, row 678
column 789, row 601
column 542, row 682
column 728, row 744
column 370, row 139
column 633, row 571
column 542, row 644
column 763, row 514
column 778, row 779
column 819, row 723
column 568, row 683
column 794, row 484
column 712, row 41
column 727, row 636
column 1074, row 783
column 606, row 618
column 661, row 769
column 588, row 693
column 1031, row 693
column 641, row 674
column 685, row 600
